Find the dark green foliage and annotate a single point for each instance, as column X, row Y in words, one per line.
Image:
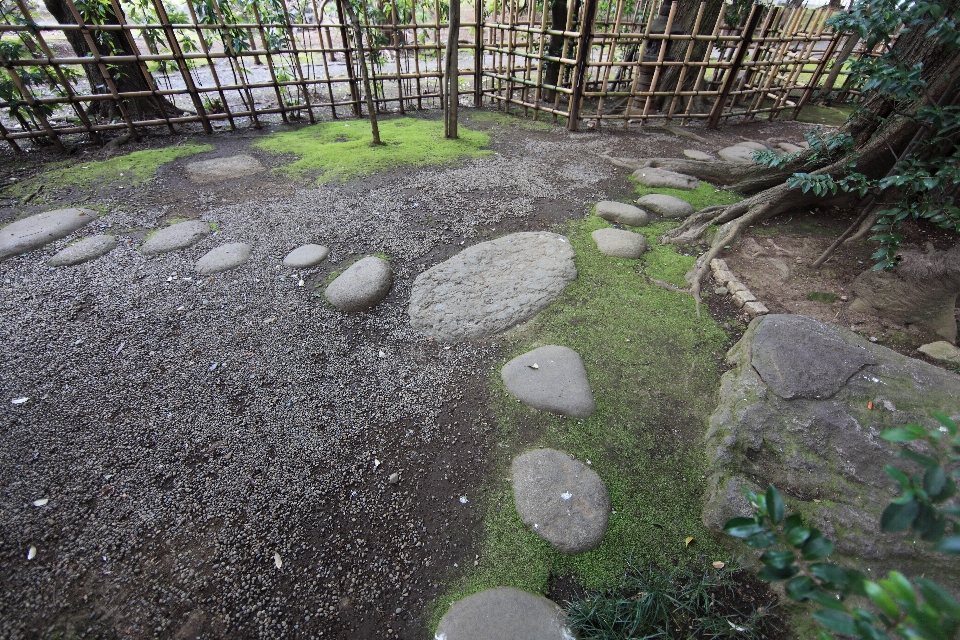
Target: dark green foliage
column 653, row 603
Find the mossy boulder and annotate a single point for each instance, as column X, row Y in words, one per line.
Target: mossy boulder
column 803, row 409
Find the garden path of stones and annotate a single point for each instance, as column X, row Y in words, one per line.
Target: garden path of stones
column 479, row 292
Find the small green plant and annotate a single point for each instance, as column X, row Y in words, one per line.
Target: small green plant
column 796, row 553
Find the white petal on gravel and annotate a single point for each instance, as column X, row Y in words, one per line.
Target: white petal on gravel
column 32, row 553
column 41, row 502
column 19, row 400
column 277, row 561
column 566, row 495
column 463, row 500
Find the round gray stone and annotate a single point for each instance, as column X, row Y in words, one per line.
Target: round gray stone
column 619, row 243
column 176, row 236
column 41, row 229
column 941, row 350
column 219, row 169
column 786, row 147
column 693, row 154
column 737, row 154
column 504, row 613
column 666, row 206
column 491, row 286
column 364, row 284
column 83, row 251
column 223, row 258
column 622, row 213
column 562, row 500
column 306, row 256
column 753, row 145
column 551, row 378
column 663, row 179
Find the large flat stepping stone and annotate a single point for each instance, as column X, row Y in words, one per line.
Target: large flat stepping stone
column 223, row 258
column 622, row 213
column 693, row 154
column 787, row 147
column 738, row 154
column 562, row 500
column 176, row 236
column 504, row 613
column 491, row 286
column 666, row 206
column 663, row 179
column 619, row 243
column 308, row 255
column 551, row 378
column 41, row 229
column 364, row 284
column 753, row 145
column 84, row 251
column 219, row 169
column 942, row 351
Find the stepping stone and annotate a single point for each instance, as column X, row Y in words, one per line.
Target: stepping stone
column 753, row 145
column 364, row 284
column 306, row 256
column 738, row 154
column 666, row 206
column 619, row 243
column 491, row 286
column 223, row 258
column 622, row 213
column 504, row 613
column 562, row 500
column 176, row 236
column 663, row 179
column 83, row 251
column 219, row 169
column 941, row 350
column 41, row 229
column 804, row 144
column 786, row 147
column 551, row 378
column 693, row 154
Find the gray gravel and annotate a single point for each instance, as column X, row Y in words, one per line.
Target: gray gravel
column 190, row 431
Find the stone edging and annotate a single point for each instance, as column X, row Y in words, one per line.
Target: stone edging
column 739, row 292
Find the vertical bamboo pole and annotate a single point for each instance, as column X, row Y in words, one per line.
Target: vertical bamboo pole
column 273, row 76
column 236, row 63
column 416, row 54
column 755, row 13
column 583, row 57
column 662, row 55
column 345, row 38
column 478, row 54
column 641, row 51
column 323, row 59
column 213, row 67
column 568, row 26
column 364, row 73
column 182, row 64
column 396, row 57
column 296, row 59
column 686, row 60
column 452, row 72
column 610, row 56
column 35, row 106
column 537, row 96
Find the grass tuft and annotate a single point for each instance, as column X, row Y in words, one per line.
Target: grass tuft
column 706, row 195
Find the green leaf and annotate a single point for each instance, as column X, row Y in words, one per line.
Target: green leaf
column 817, row 547
column 900, row 588
column 775, row 505
column 777, row 559
column 882, row 599
column 799, row 587
column 742, row 527
column 827, row 600
column 836, row 621
column 762, row 540
column 771, row 574
column 936, row 596
column 898, row 516
column 897, row 475
column 830, row 573
column 922, row 460
column 946, row 422
column 949, row 545
column 798, row 535
column 904, row 434
column 934, row 480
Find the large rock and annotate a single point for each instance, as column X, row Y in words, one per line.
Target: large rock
column 219, row 169
column 176, row 236
column 365, row 283
column 504, row 613
column 622, row 213
column 693, row 154
column 491, row 286
column 666, row 206
column 308, row 255
column 803, row 409
column 41, row 229
column 84, row 251
column 223, row 258
column 663, row 179
column 562, row 500
column 942, row 351
column 619, row 243
column 738, row 154
column 551, row 378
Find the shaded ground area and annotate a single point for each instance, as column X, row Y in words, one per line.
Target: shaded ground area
column 215, row 451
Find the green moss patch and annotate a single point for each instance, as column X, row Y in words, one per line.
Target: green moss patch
column 132, row 168
column 706, row 195
column 654, row 367
column 822, row 296
column 343, row 150
column 831, row 116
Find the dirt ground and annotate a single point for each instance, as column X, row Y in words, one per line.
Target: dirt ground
column 366, row 558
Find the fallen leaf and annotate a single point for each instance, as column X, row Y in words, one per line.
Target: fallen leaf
column 41, row 502
column 719, row 565
column 688, row 540
column 19, row 400
column 870, row 405
column 277, row 561
column 32, row 553
column 534, row 366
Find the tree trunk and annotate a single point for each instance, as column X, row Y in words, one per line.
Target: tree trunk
column 558, row 22
column 922, row 290
column 848, row 47
column 126, row 77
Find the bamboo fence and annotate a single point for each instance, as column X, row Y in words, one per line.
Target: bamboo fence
column 207, row 62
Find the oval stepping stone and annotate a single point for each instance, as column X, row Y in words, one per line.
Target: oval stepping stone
column 753, row 145
column 41, row 229
column 619, row 243
column 306, row 256
column 663, row 179
column 223, row 258
column 666, row 206
column 551, row 378
column 504, row 613
column 693, row 154
column 491, row 286
column 562, row 500
column 83, row 251
column 176, row 236
column 364, row 284
column 218, row 169
column 622, row 213
column 786, row 147
column 737, row 153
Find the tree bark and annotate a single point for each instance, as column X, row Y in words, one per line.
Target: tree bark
column 558, row 22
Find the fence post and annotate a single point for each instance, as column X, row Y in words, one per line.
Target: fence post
column 478, row 54
column 731, row 79
column 348, row 58
column 583, row 57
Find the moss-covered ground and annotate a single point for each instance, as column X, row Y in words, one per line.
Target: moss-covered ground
column 832, row 116
column 654, row 368
column 343, row 150
column 509, row 120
